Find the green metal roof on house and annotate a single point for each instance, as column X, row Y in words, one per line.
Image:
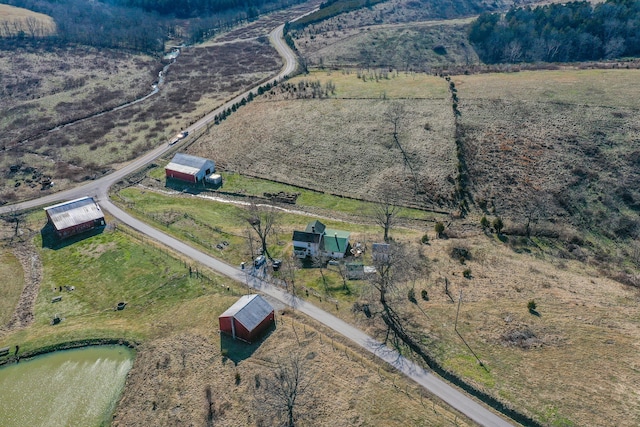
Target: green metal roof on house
column 336, row 240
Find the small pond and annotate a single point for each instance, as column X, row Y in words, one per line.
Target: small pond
column 66, row 388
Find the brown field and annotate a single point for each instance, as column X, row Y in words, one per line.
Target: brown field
column 343, row 145
column 561, row 148
column 196, row 83
column 574, row 364
column 167, row 385
column 14, row 20
column 414, row 46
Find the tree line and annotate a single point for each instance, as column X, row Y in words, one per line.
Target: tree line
column 576, row 31
column 139, row 25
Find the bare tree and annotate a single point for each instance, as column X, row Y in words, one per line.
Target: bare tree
column 288, row 273
column 15, row 217
column 283, row 394
column 396, row 115
column 395, row 266
column 385, row 213
column 320, row 260
column 262, row 220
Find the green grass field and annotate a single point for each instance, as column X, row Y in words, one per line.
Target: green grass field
column 207, row 223
column 113, row 267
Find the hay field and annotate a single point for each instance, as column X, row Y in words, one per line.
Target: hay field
column 167, row 385
column 343, row 145
column 564, row 144
column 574, row 364
column 14, row 20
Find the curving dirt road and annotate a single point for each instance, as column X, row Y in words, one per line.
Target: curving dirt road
column 99, row 189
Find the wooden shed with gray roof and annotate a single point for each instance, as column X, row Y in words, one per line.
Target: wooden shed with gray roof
column 248, row 318
column 74, row 217
column 188, row 168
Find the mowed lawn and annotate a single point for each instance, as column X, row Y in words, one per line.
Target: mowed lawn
column 113, row 267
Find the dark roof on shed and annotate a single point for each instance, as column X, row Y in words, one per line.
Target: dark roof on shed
column 315, row 225
column 303, row 236
column 249, row 310
column 74, row 212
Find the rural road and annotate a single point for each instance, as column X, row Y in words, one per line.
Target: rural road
column 430, row 382
column 100, row 188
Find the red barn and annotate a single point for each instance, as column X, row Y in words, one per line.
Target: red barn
column 248, row 318
column 74, row 217
column 188, row 168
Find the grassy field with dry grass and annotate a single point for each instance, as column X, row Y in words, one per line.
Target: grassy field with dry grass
column 572, row 363
column 16, row 20
column 200, row 80
column 415, row 46
column 170, row 378
column 12, row 284
column 558, row 149
column 343, row 144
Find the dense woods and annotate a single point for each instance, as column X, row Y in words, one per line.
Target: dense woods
column 143, row 25
column 577, row 31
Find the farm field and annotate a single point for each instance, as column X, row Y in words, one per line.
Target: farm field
column 172, row 316
column 419, row 46
column 548, row 365
column 14, row 20
column 342, row 143
column 559, row 147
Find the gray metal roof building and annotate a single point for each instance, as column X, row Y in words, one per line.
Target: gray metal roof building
column 247, row 317
column 189, row 168
column 75, row 216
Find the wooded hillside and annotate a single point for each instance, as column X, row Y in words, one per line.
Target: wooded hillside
column 576, row 31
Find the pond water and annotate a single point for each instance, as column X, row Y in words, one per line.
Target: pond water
column 65, row 388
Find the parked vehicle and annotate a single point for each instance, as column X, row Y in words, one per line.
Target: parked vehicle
column 259, row 261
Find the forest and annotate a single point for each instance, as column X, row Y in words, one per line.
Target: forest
column 141, row 25
column 576, row 31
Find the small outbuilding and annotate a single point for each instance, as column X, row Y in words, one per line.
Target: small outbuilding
column 188, row 168
column 75, row 217
column 248, row 318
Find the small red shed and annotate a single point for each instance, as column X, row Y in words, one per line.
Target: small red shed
column 189, row 168
column 75, row 217
column 247, row 318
